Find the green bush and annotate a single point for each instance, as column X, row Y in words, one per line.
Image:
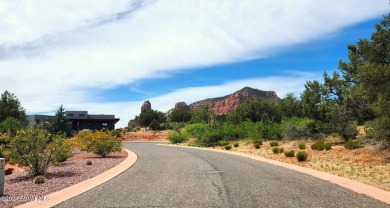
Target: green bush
column 88, row 162
column 319, row 145
column 154, row 125
column 257, row 146
column 11, row 125
column 99, row 142
column 328, row 146
column 302, row 146
column 228, row 147
column 210, row 138
column 116, row 133
column 275, row 150
column 223, row 143
column 274, row 143
column 258, row 141
column 177, row 137
column 353, row 144
column 281, row 150
column 36, row 150
column 236, row 145
column 290, row 153
column 196, row 130
column 39, row 180
column 302, row 156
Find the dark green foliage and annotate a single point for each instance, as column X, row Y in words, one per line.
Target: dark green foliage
column 88, row 162
column 201, row 115
column 177, row 137
column 275, row 150
column 61, row 124
column 210, row 138
column 39, row 180
column 228, row 147
column 291, row 106
column 290, row 153
column 154, row 125
column 147, row 116
column 116, row 133
column 179, row 115
column 281, row 150
column 302, row 156
column 257, row 146
column 11, row 125
column 319, row 145
column 328, row 146
column 256, row 110
column 273, row 143
column 236, row 145
column 302, row 146
column 353, row 144
column 11, row 107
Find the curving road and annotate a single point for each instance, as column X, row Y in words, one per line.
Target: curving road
column 165, row 176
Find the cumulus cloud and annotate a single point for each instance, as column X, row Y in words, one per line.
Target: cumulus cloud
column 65, row 51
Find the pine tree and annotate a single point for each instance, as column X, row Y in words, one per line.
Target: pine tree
column 61, row 124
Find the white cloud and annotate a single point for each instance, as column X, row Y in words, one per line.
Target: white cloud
column 64, row 51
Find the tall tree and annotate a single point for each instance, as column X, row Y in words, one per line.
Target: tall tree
column 61, row 124
column 11, row 107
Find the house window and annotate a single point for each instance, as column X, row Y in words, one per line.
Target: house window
column 81, row 115
column 104, row 124
column 37, row 121
column 70, row 114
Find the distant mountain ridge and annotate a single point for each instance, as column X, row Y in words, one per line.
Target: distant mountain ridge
column 222, row 105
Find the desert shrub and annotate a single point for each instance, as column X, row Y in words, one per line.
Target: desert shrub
column 177, row 137
column 328, row 146
column 302, row 146
column 154, row 125
column 296, row 128
column 274, row 143
column 236, row 145
column 319, row 145
column 11, row 125
column 302, row 156
column 257, row 146
column 258, row 141
column 88, row 162
column 39, row 180
column 275, row 150
column 116, row 133
column 196, row 130
column 210, row 138
column 99, row 142
column 228, row 147
column 353, row 144
column 223, row 143
column 36, row 150
column 290, row 153
column 281, row 150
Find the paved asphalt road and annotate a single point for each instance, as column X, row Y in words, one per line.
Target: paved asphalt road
column 166, row 176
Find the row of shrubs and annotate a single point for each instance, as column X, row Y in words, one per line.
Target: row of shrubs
column 36, row 148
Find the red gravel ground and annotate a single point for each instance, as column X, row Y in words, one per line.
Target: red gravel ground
column 18, row 185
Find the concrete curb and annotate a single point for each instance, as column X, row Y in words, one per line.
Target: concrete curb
column 361, row 188
column 72, row 191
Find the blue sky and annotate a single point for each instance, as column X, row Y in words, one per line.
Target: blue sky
column 109, row 58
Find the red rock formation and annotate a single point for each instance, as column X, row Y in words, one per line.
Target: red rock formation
column 181, row 105
column 223, row 105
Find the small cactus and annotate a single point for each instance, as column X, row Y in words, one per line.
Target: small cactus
column 39, row 180
column 89, row 162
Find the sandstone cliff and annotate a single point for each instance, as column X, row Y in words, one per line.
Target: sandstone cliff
column 223, row 105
